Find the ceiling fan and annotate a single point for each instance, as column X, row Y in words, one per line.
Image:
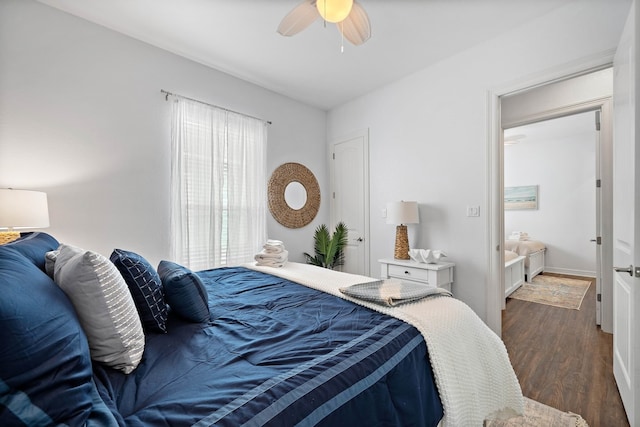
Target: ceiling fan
column 350, row 18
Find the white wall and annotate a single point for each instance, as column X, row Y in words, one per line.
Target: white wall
column 82, row 118
column 429, row 131
column 561, row 161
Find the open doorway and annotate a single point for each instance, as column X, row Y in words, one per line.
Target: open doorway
column 564, row 96
column 537, row 335
column 553, row 166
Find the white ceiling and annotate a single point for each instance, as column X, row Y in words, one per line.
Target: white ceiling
column 239, row 37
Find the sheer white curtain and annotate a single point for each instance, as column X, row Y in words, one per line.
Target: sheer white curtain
column 218, row 185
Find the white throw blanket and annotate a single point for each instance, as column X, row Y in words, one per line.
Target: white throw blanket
column 470, row 363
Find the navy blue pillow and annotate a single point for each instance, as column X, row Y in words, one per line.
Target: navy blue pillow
column 34, row 246
column 145, row 287
column 45, row 368
column 184, row 292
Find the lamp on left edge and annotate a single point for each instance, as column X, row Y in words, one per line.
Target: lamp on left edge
column 21, row 209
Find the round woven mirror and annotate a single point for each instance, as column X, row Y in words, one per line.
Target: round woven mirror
column 294, row 195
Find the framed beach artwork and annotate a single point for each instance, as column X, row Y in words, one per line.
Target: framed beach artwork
column 522, row 197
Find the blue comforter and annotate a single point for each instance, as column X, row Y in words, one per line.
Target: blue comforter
column 277, row 353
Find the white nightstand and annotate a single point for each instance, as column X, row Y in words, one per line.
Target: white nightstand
column 434, row 275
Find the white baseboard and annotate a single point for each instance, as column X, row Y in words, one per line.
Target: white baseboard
column 569, row 271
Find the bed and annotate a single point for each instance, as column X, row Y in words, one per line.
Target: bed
column 513, row 271
column 242, row 345
column 533, row 251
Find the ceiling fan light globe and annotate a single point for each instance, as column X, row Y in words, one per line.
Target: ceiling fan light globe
column 334, row 10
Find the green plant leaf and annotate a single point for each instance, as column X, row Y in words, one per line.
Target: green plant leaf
column 335, row 250
column 313, row 260
column 329, row 250
column 340, row 237
column 322, row 241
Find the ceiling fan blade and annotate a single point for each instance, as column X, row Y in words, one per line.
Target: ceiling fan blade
column 356, row 28
column 299, row 18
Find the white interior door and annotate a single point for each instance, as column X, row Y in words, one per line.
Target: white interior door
column 626, row 224
column 350, row 197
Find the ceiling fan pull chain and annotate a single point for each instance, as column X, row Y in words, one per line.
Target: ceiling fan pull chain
column 324, row 21
column 342, row 34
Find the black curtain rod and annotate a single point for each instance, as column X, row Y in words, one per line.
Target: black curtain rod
column 167, row 94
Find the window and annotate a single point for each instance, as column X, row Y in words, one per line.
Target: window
column 218, row 185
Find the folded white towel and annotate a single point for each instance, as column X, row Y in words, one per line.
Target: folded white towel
column 272, row 260
column 273, row 246
column 273, row 254
column 271, row 264
column 272, row 249
column 271, row 257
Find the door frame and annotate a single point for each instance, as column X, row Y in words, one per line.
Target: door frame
column 495, row 173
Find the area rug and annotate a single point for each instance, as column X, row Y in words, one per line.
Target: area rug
column 537, row 414
column 553, row 290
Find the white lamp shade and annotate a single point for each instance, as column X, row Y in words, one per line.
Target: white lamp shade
column 402, row 213
column 23, row 209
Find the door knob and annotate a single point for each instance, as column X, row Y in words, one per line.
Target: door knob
column 360, row 239
column 624, row 270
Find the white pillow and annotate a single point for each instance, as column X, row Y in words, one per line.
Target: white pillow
column 104, row 305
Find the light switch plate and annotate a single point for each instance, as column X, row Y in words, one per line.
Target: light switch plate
column 473, row 210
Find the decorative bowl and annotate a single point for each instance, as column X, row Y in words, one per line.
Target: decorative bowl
column 426, row 256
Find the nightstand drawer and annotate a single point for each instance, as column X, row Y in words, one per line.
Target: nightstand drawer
column 438, row 275
column 404, row 272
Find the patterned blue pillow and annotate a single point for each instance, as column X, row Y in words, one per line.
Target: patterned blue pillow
column 184, row 291
column 45, row 367
column 145, row 287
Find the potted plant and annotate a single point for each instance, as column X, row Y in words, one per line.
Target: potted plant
column 329, row 250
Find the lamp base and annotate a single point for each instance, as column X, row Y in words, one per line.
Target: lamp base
column 8, row 236
column 402, row 243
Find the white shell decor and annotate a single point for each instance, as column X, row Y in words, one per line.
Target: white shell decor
column 426, row 256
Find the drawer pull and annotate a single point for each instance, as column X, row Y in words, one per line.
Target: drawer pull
column 407, row 273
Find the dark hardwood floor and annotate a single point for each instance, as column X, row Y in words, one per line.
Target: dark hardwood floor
column 563, row 359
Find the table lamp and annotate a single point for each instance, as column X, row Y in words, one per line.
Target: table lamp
column 20, row 209
column 402, row 213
